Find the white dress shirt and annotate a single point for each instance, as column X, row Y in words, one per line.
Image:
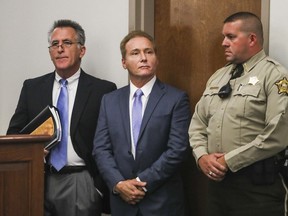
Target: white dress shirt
column 72, row 158
column 146, row 89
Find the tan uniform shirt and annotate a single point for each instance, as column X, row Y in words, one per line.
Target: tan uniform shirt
column 252, row 123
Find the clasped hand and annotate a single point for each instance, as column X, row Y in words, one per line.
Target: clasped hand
column 131, row 191
column 213, row 166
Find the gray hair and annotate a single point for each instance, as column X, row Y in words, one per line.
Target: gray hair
column 69, row 23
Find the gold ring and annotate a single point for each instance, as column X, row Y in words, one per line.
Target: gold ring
column 210, row 173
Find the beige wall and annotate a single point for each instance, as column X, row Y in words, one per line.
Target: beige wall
column 24, row 26
column 278, row 31
column 24, row 53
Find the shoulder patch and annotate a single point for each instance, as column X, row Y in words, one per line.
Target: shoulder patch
column 282, row 86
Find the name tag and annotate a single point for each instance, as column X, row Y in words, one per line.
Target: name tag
column 214, row 87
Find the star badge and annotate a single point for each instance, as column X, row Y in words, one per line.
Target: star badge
column 282, row 86
column 253, row 80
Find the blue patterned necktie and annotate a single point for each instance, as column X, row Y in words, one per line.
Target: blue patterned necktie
column 58, row 157
column 136, row 115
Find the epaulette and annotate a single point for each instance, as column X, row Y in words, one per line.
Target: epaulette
column 273, row 61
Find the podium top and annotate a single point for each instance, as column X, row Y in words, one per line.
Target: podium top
column 24, row 138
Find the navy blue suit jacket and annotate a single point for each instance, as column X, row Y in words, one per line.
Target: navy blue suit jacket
column 162, row 147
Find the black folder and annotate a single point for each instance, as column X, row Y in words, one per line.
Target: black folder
column 47, row 122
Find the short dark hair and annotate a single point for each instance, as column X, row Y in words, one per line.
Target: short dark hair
column 134, row 34
column 69, row 23
column 251, row 23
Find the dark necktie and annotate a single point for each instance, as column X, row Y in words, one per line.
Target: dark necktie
column 237, row 72
column 136, row 115
column 59, row 153
column 226, row 90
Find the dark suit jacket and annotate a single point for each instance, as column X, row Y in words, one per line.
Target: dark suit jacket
column 36, row 94
column 162, row 146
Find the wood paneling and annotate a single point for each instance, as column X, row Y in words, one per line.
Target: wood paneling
column 188, row 34
column 22, row 175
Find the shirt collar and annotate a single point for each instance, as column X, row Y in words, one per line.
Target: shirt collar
column 249, row 65
column 71, row 79
column 146, row 89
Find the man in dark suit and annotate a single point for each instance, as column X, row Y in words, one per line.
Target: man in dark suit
column 76, row 188
column 143, row 173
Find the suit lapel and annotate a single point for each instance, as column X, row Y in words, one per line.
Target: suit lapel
column 82, row 95
column 124, row 109
column 154, row 98
column 47, row 89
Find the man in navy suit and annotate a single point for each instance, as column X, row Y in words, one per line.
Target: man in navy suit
column 75, row 189
column 143, row 174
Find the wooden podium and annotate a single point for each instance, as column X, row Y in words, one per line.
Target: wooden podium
column 22, row 175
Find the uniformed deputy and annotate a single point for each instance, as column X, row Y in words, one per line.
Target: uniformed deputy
column 240, row 125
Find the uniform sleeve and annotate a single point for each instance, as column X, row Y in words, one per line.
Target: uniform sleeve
column 197, row 130
column 198, row 136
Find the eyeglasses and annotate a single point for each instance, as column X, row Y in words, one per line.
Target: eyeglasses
column 65, row 44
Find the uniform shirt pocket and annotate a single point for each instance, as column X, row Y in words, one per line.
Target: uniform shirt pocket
column 248, row 90
column 211, row 101
column 211, row 91
column 251, row 99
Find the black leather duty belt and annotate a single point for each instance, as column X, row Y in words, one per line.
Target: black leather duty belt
column 65, row 170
